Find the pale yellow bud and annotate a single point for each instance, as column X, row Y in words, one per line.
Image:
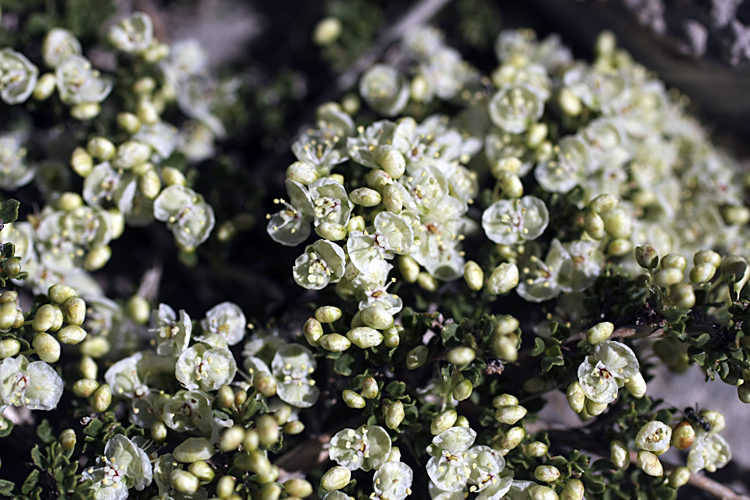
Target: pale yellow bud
column 159, row 432
column 365, row 197
column 298, row 487
column 504, row 400
column 8, row 315
column 682, row 295
column 84, row 388
column 225, row 486
column 707, row 257
column 594, row 409
column 95, row 347
column 674, row 260
column 537, row 449
column 510, row 414
column 268, row 430
column 619, row 454
column 513, row 437
column 594, row 225
column 336, row 478
column 539, row 492
column 128, row 122
column 97, row 257
column 473, row 275
column 251, row 440
column 231, row 438
column 81, row 162
column 547, row 473
column 683, row 435
column 393, row 199
column 392, row 336
column 302, row 172
column 416, row 357
column 265, row 383
column 600, row 332
column 146, row 112
column 463, row 390
column 150, row 184
column 391, row 160
column 443, row 421
column 138, row 309
column 409, row 268
column 650, row 464
column 45, row 87
column 356, row 223
column 9, row 347
column 364, row 337
column 69, row 201
column 74, row 310
column 576, row 397
column 569, row 102
column 636, row 386
column 293, row 428
column 679, row 477
column 101, row 148
column 193, row 449
column 394, row 414
column 334, row 342
column 71, row 335
column 503, row 279
column 86, row 111
column 573, row 490
column 353, row 400
column 204, row 472
column 102, row 398
column 68, row 439
column 183, row 481
column 460, row 356
column 172, row 177
column 702, row 273
column 46, row 347
column 617, row 222
column 327, row 31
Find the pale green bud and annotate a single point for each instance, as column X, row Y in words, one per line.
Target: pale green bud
column 504, row 400
column 391, row 160
column 146, row 112
column 81, row 162
column 294, row 427
column 506, row 325
column 668, row 277
column 619, row 247
column 443, row 421
column 573, row 490
column 302, row 172
column 356, row 223
column 569, row 102
column 510, row 414
column 96, row 258
column 74, row 310
column 8, row 315
column 225, row 396
column 144, row 85
column 183, row 481
column 682, row 295
column 283, row 413
column 265, row 383
column 150, row 184
column 391, row 336
column 409, row 268
column 331, row 231
column 327, row 31
column 394, row 415
column 231, row 438
column 102, row 398
column 416, row 357
column 225, row 486
column 674, row 261
column 505, row 347
column 254, row 461
column 71, row 335
column 128, row 122
column 270, row 491
column 539, row 492
column 513, row 437
column 337, row 177
column 503, row 279
column 95, row 347
column 393, row 200
column 547, row 473
column 353, row 400
column 715, row 419
column 268, row 430
column 138, row 309
column 679, row 477
column 736, row 215
column 707, row 257
column 537, row 449
column 369, row 388
column 509, row 164
column 377, row 179
column 85, row 111
column 594, row 225
column 334, row 342
column 650, row 464
column 683, row 435
column 460, row 356
column 463, row 390
column 603, row 203
column 45, row 87
column 594, row 409
column 394, row 455
column 419, row 88
column 617, row 222
column 204, row 472
column 172, row 177
column 702, row 273
column 636, row 385
column 743, row 390
column 46, row 347
column 473, row 275
column 427, row 282
column 328, row 314
column 376, row 317
column 576, row 397
column 297, row 487
column 155, row 53
column 69, row 201
column 365, row 337
column 536, row 135
column 193, row 449
column 599, row 332
column 101, row 148
column 84, row 388
column 646, row 256
column 60, row 293
column 59, row 318
column 336, row 478
column 510, row 184
column 251, row 440
column 8, row 296
column 619, row 454
column 365, row 197
column 159, row 432
column 68, row 439
column 9, row 347
column 313, row 331
column 44, row 318
column 462, row 421
column 116, row 222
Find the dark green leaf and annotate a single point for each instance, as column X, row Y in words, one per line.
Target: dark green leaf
column 9, row 211
column 38, row 458
column 344, row 365
column 538, row 347
column 44, row 431
column 6, row 487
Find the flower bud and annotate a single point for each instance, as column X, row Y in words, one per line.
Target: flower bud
column 619, row 454
column 327, row 31
column 506, row 347
column 735, row 215
column 101, row 148
column 150, row 184
column 159, row 432
column 393, row 199
column 46, row 347
column 293, row 428
column 116, row 222
column 463, row 390
column 128, row 122
column 8, row 314
column 460, row 356
column 576, row 396
column 9, row 347
column 473, row 275
column 409, row 268
column 193, row 449
column 328, row 314
column 204, row 472
column 334, row 342
column 102, row 398
column 394, row 415
column 594, row 225
column 69, row 201
column 510, row 184
column 674, row 261
column 743, row 390
column 81, row 162
column 298, row 488
column 265, row 383
column 268, row 430
column 365, row 197
column 313, row 331
column 547, row 473
column 270, row 491
column 45, row 87
column 416, row 357
column 96, row 347
column 378, row 180
column 702, row 273
column 231, row 438
column 679, row 477
column 504, row 400
column 427, row 282
column 336, row 478
column 506, row 325
column 603, row 203
column 74, row 309
column 510, row 414
column 707, row 257
column 68, row 439
column 146, row 112
column 369, row 388
column 650, row 464
column 462, row 421
column 138, row 309
column 337, row 177
column 536, row 449
column 619, row 247
column 573, row 490
column 302, row 172
column 225, row 486
column 255, row 461
column 353, row 400
column 251, row 440
column 503, row 279
column 594, row 409
column 71, row 335
column 715, row 419
column 97, row 257
column 513, row 437
column 646, row 256
column 682, row 295
column 391, row 160
column 331, row 231
column 364, row 337
column 84, row 388
column 683, row 435
column 283, row 413
column 44, row 318
column 599, row 332
column 356, row 223
column 636, row 386
column 172, row 176
column 443, row 421
column 392, row 337
column 539, row 492
column 668, row 277
column 569, row 103
column 376, row 317
column 183, row 481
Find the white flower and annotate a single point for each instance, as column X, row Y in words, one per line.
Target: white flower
column 172, row 334
column 709, row 451
column 78, row 83
column 293, row 366
column 322, row 263
column 186, row 213
column 35, row 385
column 58, row 45
column 604, row 372
column 510, row 222
column 18, row 77
column 123, row 377
column 366, row 448
column 125, row 466
column 134, row 34
column 450, row 465
column 205, row 368
column 227, row 320
column 392, row 481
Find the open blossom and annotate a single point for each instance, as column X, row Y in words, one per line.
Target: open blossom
column 604, row 372
column 124, row 465
column 293, row 366
column 365, row 448
column 35, row 385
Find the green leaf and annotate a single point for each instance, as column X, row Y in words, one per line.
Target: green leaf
column 396, row 388
column 344, row 364
column 9, row 211
column 38, row 458
column 44, row 431
column 30, row 482
column 700, row 340
column 665, row 493
column 538, row 347
column 6, row 487
column 93, row 428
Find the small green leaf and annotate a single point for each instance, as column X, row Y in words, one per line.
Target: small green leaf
column 44, row 431
column 6, row 487
column 700, row 340
column 538, row 347
column 344, row 364
column 93, row 428
column 9, row 211
column 38, row 458
column 396, row 388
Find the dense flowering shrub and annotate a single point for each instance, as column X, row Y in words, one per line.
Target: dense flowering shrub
column 467, row 244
